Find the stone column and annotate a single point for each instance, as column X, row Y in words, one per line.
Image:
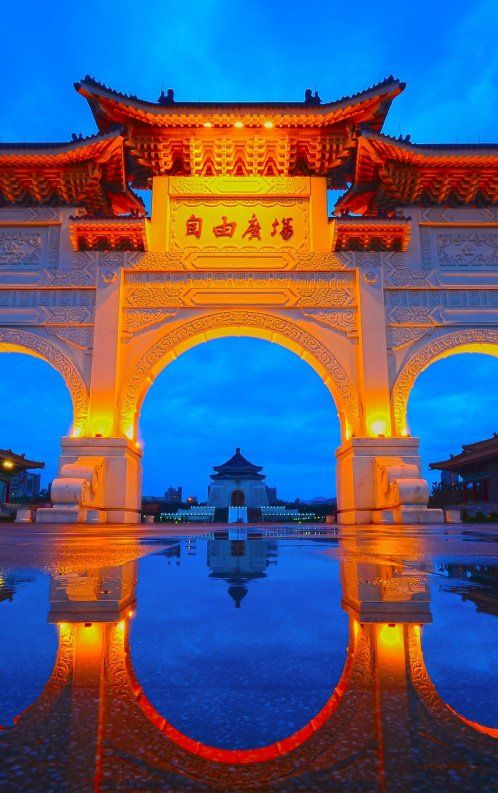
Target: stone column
column 100, row 473
column 378, row 476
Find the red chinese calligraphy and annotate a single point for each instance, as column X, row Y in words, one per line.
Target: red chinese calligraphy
column 286, row 231
column 253, row 229
column 225, row 229
column 193, row 227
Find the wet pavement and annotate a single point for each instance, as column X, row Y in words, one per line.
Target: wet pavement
column 266, row 658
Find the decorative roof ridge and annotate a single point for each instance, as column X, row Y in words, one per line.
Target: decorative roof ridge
column 473, row 445
column 108, row 218
column 406, row 143
column 115, row 132
column 312, row 107
column 238, row 456
column 467, row 449
column 373, row 219
column 21, row 459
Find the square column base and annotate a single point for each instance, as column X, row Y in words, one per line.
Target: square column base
column 119, row 491
column 357, row 498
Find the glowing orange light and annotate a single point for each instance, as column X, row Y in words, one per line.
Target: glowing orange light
column 8, row 464
column 131, row 613
column 268, row 124
column 208, row 124
column 391, row 636
column 239, row 124
column 120, row 626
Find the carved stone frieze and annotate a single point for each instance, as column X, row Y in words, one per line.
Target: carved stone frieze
column 235, row 288
column 460, row 248
column 81, row 338
column 45, row 297
column 342, row 319
column 117, row 259
column 396, row 272
column 54, row 299
column 79, row 277
column 245, row 185
column 341, row 385
column 324, row 261
column 138, row 319
column 20, row 247
column 30, row 214
column 318, row 261
column 68, row 315
column 469, row 249
column 424, row 356
column 460, row 215
column 442, row 298
column 22, row 340
column 397, row 338
column 29, row 247
column 156, row 260
column 412, row 315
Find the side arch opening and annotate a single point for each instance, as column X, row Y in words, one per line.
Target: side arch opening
column 451, row 404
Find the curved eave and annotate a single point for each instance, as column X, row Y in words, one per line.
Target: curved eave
column 111, row 107
column 381, row 148
column 98, row 147
column 238, row 476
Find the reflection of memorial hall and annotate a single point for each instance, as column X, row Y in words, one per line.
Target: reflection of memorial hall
column 238, row 562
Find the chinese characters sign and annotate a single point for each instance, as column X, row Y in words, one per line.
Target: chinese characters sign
column 239, row 225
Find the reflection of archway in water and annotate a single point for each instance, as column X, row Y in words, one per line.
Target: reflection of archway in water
column 460, row 647
column 239, row 392
column 24, row 626
column 262, row 754
column 353, row 706
column 238, row 498
column 245, row 667
column 357, row 736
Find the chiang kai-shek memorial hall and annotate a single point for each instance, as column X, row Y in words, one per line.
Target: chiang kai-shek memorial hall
column 238, row 483
column 240, row 242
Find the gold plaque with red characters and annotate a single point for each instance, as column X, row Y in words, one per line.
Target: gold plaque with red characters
column 245, row 225
column 253, row 214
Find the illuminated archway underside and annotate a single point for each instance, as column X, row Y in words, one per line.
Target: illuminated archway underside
column 240, row 241
column 473, row 341
column 38, row 347
column 234, row 323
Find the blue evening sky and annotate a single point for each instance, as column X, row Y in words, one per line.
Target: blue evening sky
column 241, row 392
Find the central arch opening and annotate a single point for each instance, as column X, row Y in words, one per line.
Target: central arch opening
column 247, row 393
